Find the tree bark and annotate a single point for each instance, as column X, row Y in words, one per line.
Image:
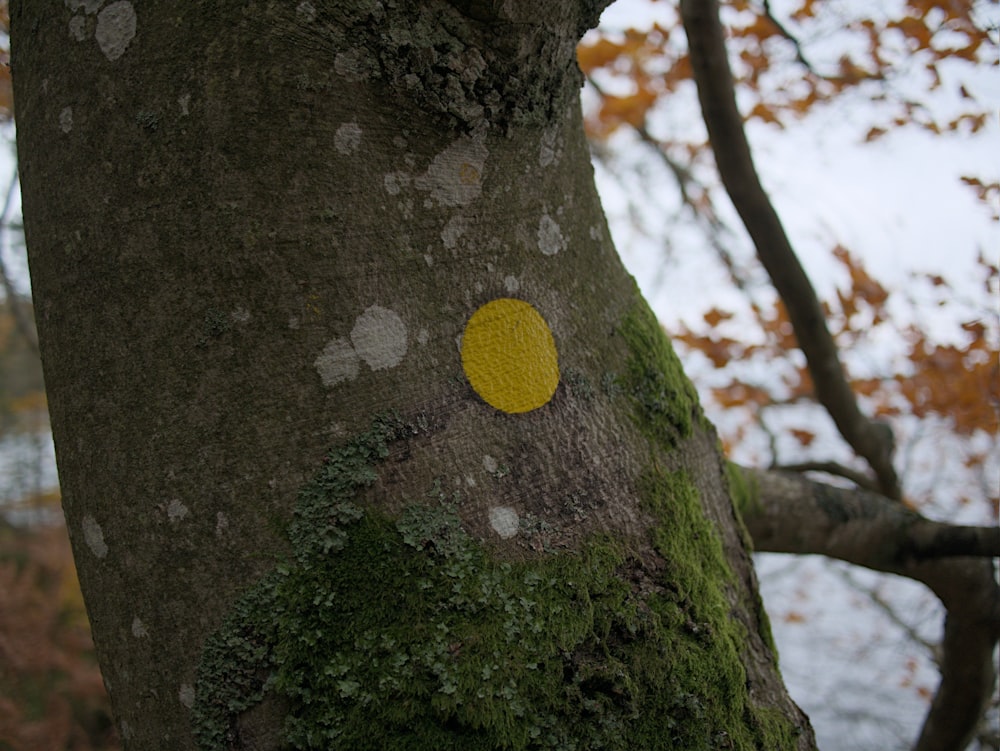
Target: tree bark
column 308, row 505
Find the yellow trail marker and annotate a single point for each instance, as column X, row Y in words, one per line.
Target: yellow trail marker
column 509, row 356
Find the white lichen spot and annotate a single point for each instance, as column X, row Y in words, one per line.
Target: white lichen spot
column 347, row 138
column 423, row 336
column 511, row 284
column 306, row 11
column 547, row 153
column 115, row 28
column 176, row 510
column 395, row 182
column 595, row 233
column 125, row 729
column 428, row 259
column 379, row 337
column 470, row 481
column 504, row 521
column 490, row 464
column 184, row 102
column 221, row 524
column 93, row 535
column 78, row 28
column 186, row 695
column 139, row 628
column 454, row 177
column 550, row 237
column 294, row 322
column 240, row 315
column 337, row 362
column 454, row 229
column 66, row 119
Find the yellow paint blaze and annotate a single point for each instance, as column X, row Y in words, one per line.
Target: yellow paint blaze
column 509, row 356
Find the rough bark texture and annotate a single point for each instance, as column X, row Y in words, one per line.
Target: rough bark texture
column 256, row 232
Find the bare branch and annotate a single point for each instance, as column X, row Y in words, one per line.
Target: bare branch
column 831, row 468
column 713, row 76
column 934, row 650
column 789, row 513
column 714, row 227
column 799, row 55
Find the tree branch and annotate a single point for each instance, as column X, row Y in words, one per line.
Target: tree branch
column 831, row 468
column 710, row 65
column 789, row 513
column 799, row 55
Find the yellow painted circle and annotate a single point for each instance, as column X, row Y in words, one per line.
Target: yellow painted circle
column 509, row 356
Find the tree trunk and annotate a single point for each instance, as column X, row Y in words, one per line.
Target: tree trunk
column 365, row 437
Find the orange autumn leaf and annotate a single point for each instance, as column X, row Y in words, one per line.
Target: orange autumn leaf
column 630, row 109
column 715, row 316
column 805, row 437
column 597, row 54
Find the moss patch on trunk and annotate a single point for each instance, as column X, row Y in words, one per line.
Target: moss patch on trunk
column 407, row 633
column 666, row 403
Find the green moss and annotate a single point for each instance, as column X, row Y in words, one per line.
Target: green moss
column 665, row 401
column 666, row 410
column 406, row 633
column 746, row 499
column 694, row 609
column 772, row 725
column 743, row 489
column 238, row 662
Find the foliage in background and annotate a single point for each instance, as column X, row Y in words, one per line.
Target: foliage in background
column 51, row 694
column 904, row 369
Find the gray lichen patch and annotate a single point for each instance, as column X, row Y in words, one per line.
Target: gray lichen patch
column 93, row 535
column 115, row 28
column 454, row 177
column 379, row 337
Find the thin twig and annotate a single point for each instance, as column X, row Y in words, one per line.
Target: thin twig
column 799, row 55
column 831, row 468
column 933, row 648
